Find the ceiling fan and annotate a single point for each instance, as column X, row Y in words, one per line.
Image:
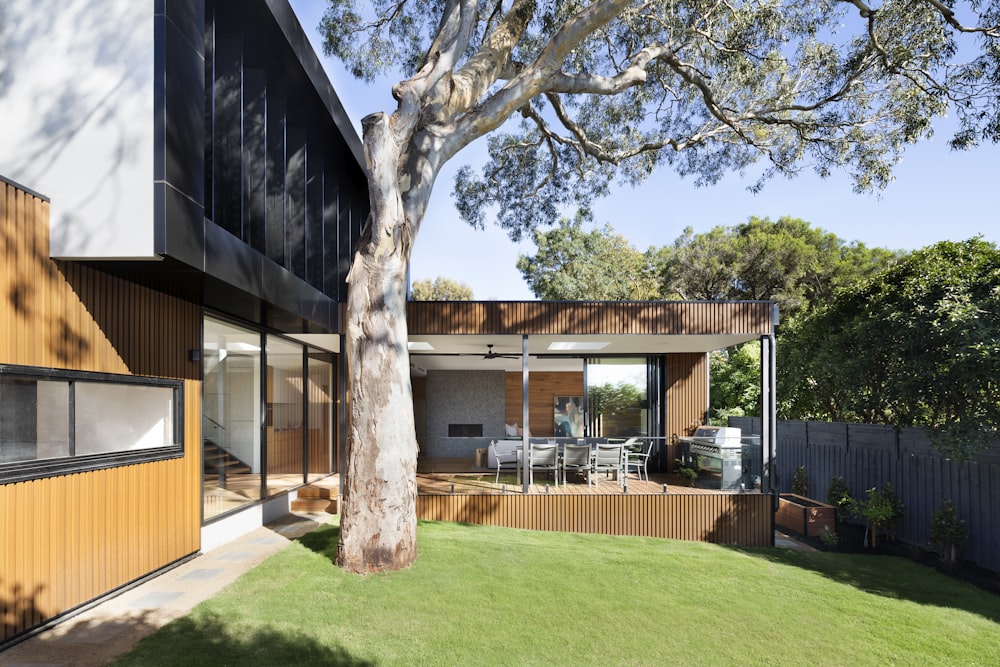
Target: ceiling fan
column 490, row 354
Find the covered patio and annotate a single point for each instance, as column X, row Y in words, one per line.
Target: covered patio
column 484, row 372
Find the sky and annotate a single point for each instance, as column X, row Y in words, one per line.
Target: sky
column 937, row 195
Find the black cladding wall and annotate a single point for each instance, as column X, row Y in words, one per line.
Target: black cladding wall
column 279, row 176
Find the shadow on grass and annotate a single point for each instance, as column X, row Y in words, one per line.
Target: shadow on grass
column 323, row 540
column 209, row 641
column 888, row 576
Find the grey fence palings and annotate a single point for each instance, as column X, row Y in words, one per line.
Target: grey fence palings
column 867, row 456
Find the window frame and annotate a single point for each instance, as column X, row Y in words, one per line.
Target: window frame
column 22, row 471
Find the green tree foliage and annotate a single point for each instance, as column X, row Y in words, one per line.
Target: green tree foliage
column 787, row 261
column 574, row 264
column 735, row 386
column 916, row 345
column 440, row 289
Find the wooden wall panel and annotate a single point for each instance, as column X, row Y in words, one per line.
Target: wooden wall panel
column 687, row 392
column 736, row 519
column 589, row 317
column 543, row 387
column 67, row 539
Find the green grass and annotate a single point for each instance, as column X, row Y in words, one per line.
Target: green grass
column 492, row 596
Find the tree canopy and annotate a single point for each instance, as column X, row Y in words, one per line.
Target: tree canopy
column 573, row 264
column 787, row 261
column 440, row 289
column 577, row 95
column 916, row 345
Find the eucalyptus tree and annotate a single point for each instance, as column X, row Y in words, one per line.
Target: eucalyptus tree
column 573, row 264
column 575, row 95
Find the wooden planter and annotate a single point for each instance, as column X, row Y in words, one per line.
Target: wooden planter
column 805, row 515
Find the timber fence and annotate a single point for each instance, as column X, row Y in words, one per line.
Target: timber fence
column 868, row 456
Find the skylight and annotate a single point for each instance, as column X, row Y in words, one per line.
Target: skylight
column 576, row 346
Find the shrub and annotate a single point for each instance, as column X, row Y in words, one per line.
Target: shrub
column 828, row 537
column 686, row 472
column 800, row 482
column 840, row 497
column 881, row 509
column 948, row 530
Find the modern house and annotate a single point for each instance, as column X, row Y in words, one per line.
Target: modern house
column 180, row 192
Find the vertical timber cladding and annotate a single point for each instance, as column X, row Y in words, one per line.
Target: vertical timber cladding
column 687, row 398
column 735, row 519
column 589, row 317
column 68, row 539
column 542, row 390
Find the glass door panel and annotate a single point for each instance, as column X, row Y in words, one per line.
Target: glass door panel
column 230, row 417
column 616, row 397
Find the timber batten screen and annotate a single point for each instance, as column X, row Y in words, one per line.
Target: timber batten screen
column 689, row 318
column 734, row 519
column 68, row 539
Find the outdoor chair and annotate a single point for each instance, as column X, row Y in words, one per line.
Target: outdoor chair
column 505, row 454
column 608, row 459
column 577, row 458
column 544, row 458
column 639, row 461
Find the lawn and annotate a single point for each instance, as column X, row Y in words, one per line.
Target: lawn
column 494, row 596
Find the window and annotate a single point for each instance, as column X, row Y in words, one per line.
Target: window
column 58, row 422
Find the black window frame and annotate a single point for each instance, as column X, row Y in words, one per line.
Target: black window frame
column 22, row 471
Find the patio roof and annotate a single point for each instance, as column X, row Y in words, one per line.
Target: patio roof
column 456, row 335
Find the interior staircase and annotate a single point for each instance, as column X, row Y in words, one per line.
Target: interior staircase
column 315, row 499
column 216, row 460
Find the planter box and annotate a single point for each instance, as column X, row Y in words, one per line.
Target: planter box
column 805, row 515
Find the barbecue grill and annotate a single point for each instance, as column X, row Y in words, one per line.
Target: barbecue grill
column 719, row 450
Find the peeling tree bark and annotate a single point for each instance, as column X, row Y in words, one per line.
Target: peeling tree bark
column 378, row 521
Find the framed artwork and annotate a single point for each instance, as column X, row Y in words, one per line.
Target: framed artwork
column 568, row 413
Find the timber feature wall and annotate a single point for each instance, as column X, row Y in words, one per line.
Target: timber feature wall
column 735, row 519
column 589, row 317
column 68, row 539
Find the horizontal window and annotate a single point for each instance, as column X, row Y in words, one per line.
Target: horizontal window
column 57, row 422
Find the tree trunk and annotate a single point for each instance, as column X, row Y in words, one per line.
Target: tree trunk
column 378, row 521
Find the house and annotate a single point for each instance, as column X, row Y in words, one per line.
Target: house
column 180, row 191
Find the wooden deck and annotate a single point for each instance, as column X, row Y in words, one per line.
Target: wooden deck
column 442, row 476
column 452, row 490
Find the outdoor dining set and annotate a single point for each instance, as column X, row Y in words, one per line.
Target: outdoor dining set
column 587, row 457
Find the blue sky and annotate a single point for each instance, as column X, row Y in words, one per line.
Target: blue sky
column 938, row 195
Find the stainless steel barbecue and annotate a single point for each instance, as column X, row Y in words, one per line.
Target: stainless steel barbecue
column 718, row 450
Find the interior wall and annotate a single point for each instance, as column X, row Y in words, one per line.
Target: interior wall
column 464, row 397
column 542, row 390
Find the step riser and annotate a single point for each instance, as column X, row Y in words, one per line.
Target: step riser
column 314, row 505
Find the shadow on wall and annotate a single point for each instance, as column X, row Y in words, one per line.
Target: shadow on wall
column 81, row 131
column 19, row 610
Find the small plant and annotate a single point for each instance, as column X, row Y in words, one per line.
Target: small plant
column 800, row 482
column 840, row 497
column 686, row 472
column 828, row 537
column 881, row 509
column 948, row 531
